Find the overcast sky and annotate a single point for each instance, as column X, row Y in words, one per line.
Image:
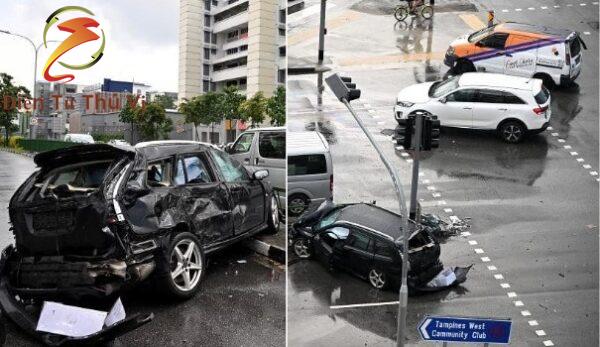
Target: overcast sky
column 141, row 41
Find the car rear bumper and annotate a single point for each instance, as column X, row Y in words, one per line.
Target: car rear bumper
column 565, row 80
column 17, row 313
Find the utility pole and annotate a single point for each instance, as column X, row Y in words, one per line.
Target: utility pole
column 321, row 57
column 36, row 50
column 346, row 91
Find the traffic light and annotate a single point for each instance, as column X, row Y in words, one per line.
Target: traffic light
column 343, row 88
column 431, row 133
column 404, row 132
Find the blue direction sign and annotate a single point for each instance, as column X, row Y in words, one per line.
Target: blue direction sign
column 465, row 329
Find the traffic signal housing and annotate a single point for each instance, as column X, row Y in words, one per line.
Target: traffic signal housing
column 404, row 132
column 343, row 88
column 431, row 133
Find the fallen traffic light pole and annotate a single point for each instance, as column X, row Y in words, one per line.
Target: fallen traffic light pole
column 346, row 91
column 426, row 129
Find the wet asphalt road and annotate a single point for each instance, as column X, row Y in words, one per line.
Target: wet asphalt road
column 533, row 206
column 241, row 302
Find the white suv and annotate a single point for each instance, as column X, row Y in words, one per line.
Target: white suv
column 513, row 106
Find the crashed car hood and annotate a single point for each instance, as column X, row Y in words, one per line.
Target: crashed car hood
column 79, row 153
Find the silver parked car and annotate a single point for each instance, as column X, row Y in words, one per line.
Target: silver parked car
column 310, row 171
column 263, row 148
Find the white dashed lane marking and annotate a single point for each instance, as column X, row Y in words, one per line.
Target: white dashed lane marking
column 506, row 10
column 498, row 276
column 573, row 153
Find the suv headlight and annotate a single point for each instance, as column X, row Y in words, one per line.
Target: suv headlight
column 450, row 51
column 404, row 103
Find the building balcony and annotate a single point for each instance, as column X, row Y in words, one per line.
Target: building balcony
column 236, row 21
column 229, row 74
column 241, row 40
column 228, row 57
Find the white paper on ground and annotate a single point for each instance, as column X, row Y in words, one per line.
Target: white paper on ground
column 445, row 278
column 116, row 314
column 69, row 320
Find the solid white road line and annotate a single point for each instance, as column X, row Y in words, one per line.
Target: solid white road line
column 372, row 304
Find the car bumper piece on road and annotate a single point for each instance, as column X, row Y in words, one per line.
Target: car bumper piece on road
column 17, row 312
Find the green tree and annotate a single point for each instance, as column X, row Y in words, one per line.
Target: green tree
column 276, row 107
column 152, row 121
column 203, row 109
column 127, row 116
column 254, row 109
column 231, row 101
column 165, row 101
column 8, row 113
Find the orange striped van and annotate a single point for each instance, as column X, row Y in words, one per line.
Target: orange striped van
column 552, row 55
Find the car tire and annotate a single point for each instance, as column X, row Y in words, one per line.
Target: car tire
column 274, row 221
column 301, row 248
column 462, row 66
column 185, row 267
column 378, row 279
column 547, row 81
column 512, row 131
column 297, row 204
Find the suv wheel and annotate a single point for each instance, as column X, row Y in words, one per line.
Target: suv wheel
column 186, row 267
column 377, row 278
column 274, row 221
column 512, row 132
column 297, row 204
column 301, row 248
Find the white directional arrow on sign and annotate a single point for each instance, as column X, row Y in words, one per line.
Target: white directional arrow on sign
column 424, row 328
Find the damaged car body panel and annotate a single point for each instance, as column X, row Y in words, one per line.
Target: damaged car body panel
column 365, row 240
column 95, row 219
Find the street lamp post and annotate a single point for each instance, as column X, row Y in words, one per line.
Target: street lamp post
column 36, row 50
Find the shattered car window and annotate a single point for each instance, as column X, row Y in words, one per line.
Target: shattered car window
column 329, row 219
column 232, row 171
column 179, row 173
column 196, row 170
column 159, row 173
column 243, row 144
column 340, row 232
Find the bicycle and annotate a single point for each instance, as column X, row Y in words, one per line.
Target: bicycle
column 402, row 11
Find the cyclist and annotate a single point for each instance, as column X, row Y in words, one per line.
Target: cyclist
column 414, row 4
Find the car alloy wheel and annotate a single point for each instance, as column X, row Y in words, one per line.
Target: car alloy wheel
column 297, row 205
column 512, row 132
column 377, row 278
column 186, row 265
column 274, row 213
column 301, row 248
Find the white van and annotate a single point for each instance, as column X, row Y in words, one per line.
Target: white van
column 79, row 138
column 310, row 171
column 552, row 55
column 263, row 148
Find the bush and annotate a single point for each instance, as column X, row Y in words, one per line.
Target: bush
column 101, row 137
column 13, row 141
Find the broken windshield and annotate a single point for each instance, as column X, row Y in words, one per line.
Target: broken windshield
column 86, row 177
column 329, row 218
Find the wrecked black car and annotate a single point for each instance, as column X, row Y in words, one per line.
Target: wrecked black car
column 365, row 240
column 95, row 219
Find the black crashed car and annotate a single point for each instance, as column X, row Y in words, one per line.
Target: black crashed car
column 95, row 219
column 365, row 240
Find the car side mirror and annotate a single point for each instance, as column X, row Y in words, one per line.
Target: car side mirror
column 228, row 147
column 443, row 100
column 333, row 235
column 260, row 174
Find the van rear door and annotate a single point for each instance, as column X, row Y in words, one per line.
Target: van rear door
column 574, row 45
